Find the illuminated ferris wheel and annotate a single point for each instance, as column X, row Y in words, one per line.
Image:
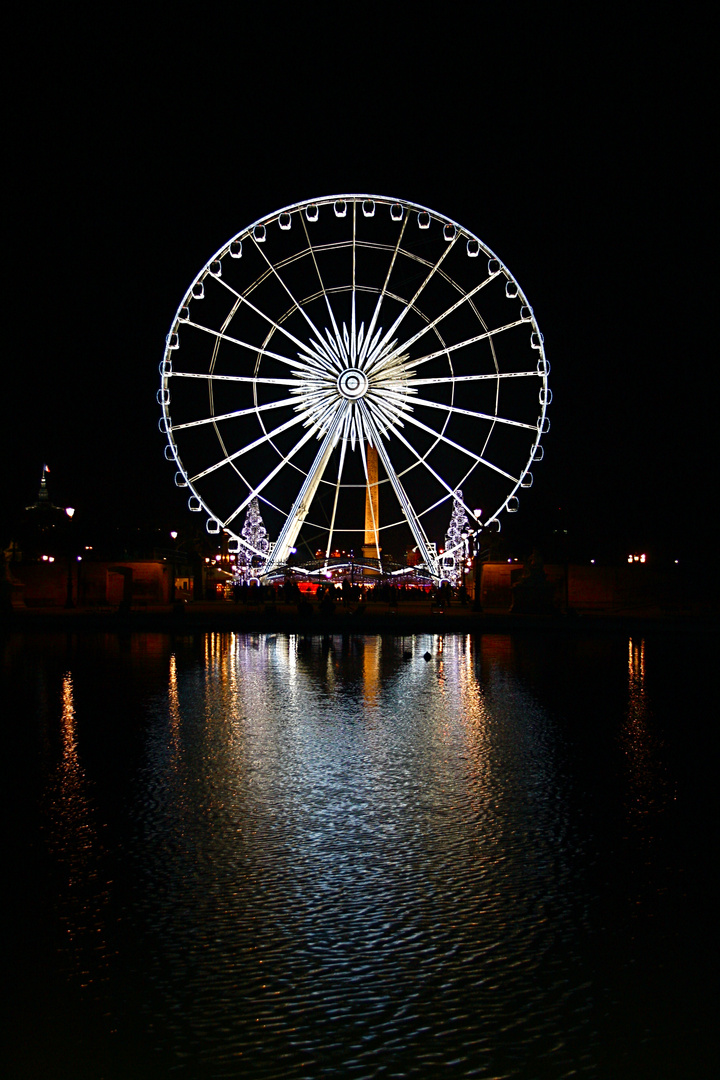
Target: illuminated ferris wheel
column 353, row 362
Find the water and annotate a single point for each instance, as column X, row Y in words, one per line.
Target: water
column 267, row 856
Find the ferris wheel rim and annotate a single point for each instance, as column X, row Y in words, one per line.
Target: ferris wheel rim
column 451, row 380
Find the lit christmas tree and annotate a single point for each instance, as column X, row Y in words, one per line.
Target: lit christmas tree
column 454, row 543
column 254, row 534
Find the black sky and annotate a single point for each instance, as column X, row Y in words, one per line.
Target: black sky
column 578, row 147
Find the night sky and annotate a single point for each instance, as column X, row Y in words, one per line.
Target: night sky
column 577, row 147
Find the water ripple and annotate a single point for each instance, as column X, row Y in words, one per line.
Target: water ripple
column 330, row 879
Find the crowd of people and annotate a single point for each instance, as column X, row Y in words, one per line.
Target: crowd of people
column 327, row 595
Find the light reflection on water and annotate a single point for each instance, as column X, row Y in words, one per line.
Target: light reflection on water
column 648, row 787
column 73, row 837
column 348, row 855
column 333, row 857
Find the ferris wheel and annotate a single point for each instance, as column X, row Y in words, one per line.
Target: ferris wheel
column 353, row 363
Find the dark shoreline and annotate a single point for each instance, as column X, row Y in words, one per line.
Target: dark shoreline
column 375, row 619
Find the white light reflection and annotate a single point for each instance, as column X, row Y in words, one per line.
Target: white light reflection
column 294, row 697
column 346, row 818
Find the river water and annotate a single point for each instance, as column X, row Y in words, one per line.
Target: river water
column 370, row 856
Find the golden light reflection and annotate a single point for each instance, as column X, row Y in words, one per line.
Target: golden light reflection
column 67, row 726
column 371, row 670
column 646, row 781
column 73, row 838
column 174, row 702
column 636, row 667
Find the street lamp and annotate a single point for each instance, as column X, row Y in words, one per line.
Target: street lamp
column 70, row 511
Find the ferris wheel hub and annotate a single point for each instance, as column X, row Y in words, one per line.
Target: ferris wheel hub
column 353, row 384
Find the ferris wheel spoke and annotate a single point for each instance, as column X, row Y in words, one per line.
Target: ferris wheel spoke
column 271, row 476
column 256, row 379
column 251, row 446
column 471, row 412
column 389, row 407
column 400, row 493
column 343, row 449
column 289, row 532
column 320, row 280
column 438, row 477
column 429, row 326
column 318, row 363
column 296, row 303
column 473, row 378
column 463, row 344
column 381, row 297
column 385, row 412
column 257, row 349
column 353, row 331
column 258, row 311
column 411, row 303
column 234, row 415
column 457, row 446
column 361, row 425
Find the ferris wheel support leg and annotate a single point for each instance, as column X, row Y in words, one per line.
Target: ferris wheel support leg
column 411, row 517
column 289, row 532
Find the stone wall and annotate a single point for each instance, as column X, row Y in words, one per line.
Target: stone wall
column 92, row 584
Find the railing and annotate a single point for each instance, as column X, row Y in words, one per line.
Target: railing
column 378, row 570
